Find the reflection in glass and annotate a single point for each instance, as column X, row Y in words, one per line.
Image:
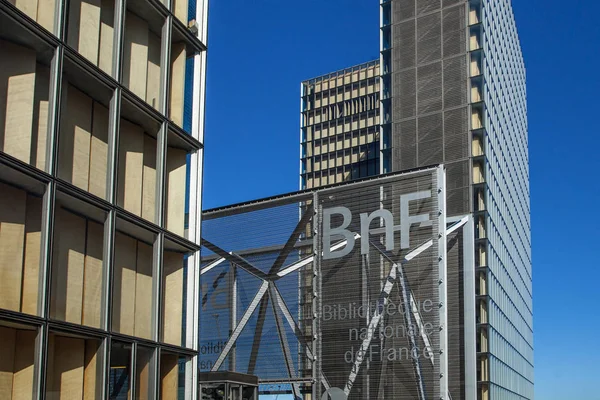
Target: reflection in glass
column 213, row 391
column 20, row 240
column 120, row 374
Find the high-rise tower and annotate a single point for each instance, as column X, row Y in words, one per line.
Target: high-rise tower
column 339, row 139
column 453, row 92
column 101, row 132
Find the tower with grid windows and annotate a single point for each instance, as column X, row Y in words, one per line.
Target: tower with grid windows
column 101, row 143
column 452, row 88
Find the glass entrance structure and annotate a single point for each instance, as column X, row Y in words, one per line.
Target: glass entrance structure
column 350, row 291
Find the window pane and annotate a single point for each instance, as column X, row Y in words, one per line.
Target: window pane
column 17, row 363
column 83, row 143
column 119, row 375
column 174, row 301
column 141, row 53
column 133, row 312
column 42, row 11
column 136, row 190
column 177, row 185
column 172, row 376
column 24, row 101
column 20, row 240
column 181, row 82
column 74, row 367
column 144, row 373
column 90, row 30
column 78, row 263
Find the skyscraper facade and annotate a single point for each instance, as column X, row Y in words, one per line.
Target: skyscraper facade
column 455, row 76
column 101, row 144
column 339, row 139
column 453, row 92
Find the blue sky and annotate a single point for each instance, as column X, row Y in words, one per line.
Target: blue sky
column 260, row 51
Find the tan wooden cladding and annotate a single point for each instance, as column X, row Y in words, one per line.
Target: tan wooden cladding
column 41, row 11
column 135, row 54
column 175, row 199
column 141, row 60
column 23, row 104
column 20, row 247
column 180, row 9
column 133, row 287
column 178, row 55
column 77, row 277
column 143, row 371
column 173, row 297
column 83, row 146
column 137, row 164
column 17, row 347
column 168, row 376
column 90, row 31
column 74, row 369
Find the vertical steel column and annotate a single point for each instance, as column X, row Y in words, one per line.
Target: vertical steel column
column 443, row 278
column 232, row 311
column 317, row 300
column 470, row 322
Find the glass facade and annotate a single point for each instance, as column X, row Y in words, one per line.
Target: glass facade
column 453, row 80
column 101, row 142
column 352, row 290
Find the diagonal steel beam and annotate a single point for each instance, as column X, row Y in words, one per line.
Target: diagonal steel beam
column 285, row 348
column 280, row 302
column 383, row 300
column 291, row 242
column 383, row 297
column 240, row 327
column 211, row 265
column 234, row 258
column 413, row 304
column 260, row 323
column 305, row 261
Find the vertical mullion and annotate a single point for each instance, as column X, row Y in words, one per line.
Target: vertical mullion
column 157, row 302
column 47, row 249
column 118, row 38
column 165, row 57
column 113, row 145
column 109, row 262
column 316, row 281
column 41, row 372
column 132, row 368
column 54, row 110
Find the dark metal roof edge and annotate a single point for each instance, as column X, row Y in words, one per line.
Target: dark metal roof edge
column 300, row 193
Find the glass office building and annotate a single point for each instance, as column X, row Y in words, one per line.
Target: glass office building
column 101, row 132
column 456, row 78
